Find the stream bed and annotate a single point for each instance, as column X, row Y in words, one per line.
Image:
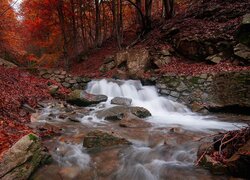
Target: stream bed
column 164, row 150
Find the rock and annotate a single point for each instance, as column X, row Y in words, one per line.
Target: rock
column 214, row 58
column 99, row 139
column 65, row 84
column 138, row 61
column 162, row 61
column 205, row 147
column 109, row 59
column 242, row 51
column 244, row 30
column 121, row 101
column 214, row 166
column 108, row 66
column 22, row 159
column 132, row 121
column 197, row 107
column 53, row 89
column 189, row 48
column 72, row 81
column 119, row 112
column 28, row 108
column 239, row 163
column 82, row 98
column 85, row 79
column 175, row 94
column 181, row 87
column 7, row 63
column 121, row 57
column 165, row 52
column 46, row 76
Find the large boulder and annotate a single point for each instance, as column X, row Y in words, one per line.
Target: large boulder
column 99, row 139
column 82, row 98
column 121, row 101
column 138, row 60
column 22, row 159
column 119, row 112
column 121, row 57
column 244, row 30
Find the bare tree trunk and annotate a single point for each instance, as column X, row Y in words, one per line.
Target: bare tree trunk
column 97, row 24
column 148, row 14
column 62, row 25
column 168, row 6
column 121, row 22
column 74, row 28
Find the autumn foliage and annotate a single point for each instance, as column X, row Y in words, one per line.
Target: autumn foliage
column 18, row 88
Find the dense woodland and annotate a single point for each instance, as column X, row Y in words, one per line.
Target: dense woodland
column 67, row 29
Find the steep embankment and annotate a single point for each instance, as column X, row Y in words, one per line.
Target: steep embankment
column 209, row 36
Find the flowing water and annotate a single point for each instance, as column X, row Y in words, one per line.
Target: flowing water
column 166, row 150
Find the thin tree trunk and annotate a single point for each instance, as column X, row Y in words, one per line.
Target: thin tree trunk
column 97, row 24
column 62, row 25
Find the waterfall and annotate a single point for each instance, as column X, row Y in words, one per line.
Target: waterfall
column 164, row 111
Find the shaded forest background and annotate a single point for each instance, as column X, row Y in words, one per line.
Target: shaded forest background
column 60, row 32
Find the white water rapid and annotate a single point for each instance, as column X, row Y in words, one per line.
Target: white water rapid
column 164, row 111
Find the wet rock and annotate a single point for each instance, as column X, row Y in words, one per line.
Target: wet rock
column 132, row 121
column 205, row 148
column 70, row 172
column 99, row 139
column 82, row 98
column 214, row 166
column 243, row 52
column 118, row 112
column 22, row 159
column 121, row 101
column 239, row 163
column 197, row 107
column 47, row 130
column 176, row 130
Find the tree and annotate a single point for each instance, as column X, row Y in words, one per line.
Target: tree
column 168, row 8
column 10, row 39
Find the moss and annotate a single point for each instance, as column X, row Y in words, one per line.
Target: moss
column 33, row 137
column 195, row 80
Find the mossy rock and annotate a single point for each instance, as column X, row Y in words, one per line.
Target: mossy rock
column 22, row 159
column 100, row 139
